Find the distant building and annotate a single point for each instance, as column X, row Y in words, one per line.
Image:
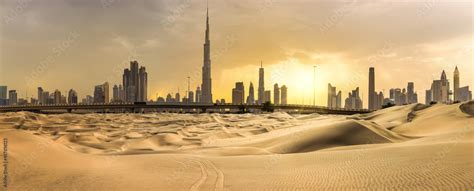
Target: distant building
column 261, row 84
column 222, row 101
column 284, row 95
column 267, row 96
column 45, row 98
column 88, row 100
column 251, row 96
column 276, row 94
column 40, row 95
column 334, row 100
column 460, row 93
column 238, row 93
column 57, row 97
column 412, row 97
column 12, row 97
column 169, row 98
column 440, row 89
column 428, row 98
column 190, row 97
column 3, row 95
column 372, row 93
column 72, row 97
column 99, row 94
column 177, row 97
column 198, row 95
column 160, row 100
column 379, row 100
column 135, row 81
column 353, row 100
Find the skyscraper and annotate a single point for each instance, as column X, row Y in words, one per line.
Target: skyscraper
column 198, row 95
column 251, row 97
column 261, row 84
column 372, row 93
column 40, row 94
column 135, row 81
column 440, row 89
column 190, row 97
column 3, row 95
column 456, row 84
column 353, row 101
column 410, row 93
column 115, row 94
column 72, row 97
column 206, row 85
column 57, row 97
column 12, row 97
column 99, row 94
column 284, row 95
column 238, row 93
column 177, row 97
column 276, row 94
column 334, row 100
column 142, row 84
column 106, row 92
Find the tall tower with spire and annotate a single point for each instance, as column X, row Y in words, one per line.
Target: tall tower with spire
column 206, row 86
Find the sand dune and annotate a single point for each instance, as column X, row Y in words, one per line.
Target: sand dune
column 402, row 147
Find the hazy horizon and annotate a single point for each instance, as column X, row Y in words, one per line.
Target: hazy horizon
column 91, row 42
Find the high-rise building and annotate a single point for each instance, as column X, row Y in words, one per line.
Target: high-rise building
column 177, row 97
column 206, row 85
column 353, row 100
column 45, row 98
column 57, row 97
column 456, row 84
column 267, row 96
column 276, row 94
column 12, row 97
column 169, row 98
column 142, row 85
column 72, row 97
column 135, row 81
column 238, row 93
column 440, row 89
column 106, row 92
column 261, row 84
column 99, row 95
column 198, row 95
column 115, row 94
column 411, row 93
column 334, row 100
column 3, row 95
column 251, row 96
column 372, row 93
column 40, row 94
column 460, row 93
column 284, row 95
column 190, row 97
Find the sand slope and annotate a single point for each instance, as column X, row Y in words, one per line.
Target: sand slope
column 403, row 147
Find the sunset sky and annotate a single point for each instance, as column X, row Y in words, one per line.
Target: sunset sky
column 64, row 44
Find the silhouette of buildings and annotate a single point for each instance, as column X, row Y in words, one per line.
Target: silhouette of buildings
column 57, row 97
column 284, row 95
column 372, row 93
column 439, row 91
column 334, row 100
column 118, row 93
column 206, row 94
column 72, row 97
column 190, row 97
column 261, row 84
column 40, row 95
column 251, row 96
column 460, row 93
column 353, row 100
column 238, row 93
column 177, row 97
column 135, row 83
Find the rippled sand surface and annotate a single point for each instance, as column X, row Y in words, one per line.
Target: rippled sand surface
column 402, row 147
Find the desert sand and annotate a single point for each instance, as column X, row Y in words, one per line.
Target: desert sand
column 412, row 147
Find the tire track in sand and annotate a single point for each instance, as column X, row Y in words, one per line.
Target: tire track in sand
column 207, row 168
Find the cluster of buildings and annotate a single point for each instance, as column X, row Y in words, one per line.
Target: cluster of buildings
column 280, row 94
column 441, row 93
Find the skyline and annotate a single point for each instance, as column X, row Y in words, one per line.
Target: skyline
column 293, row 65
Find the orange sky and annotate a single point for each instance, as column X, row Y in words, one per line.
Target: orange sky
column 63, row 44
